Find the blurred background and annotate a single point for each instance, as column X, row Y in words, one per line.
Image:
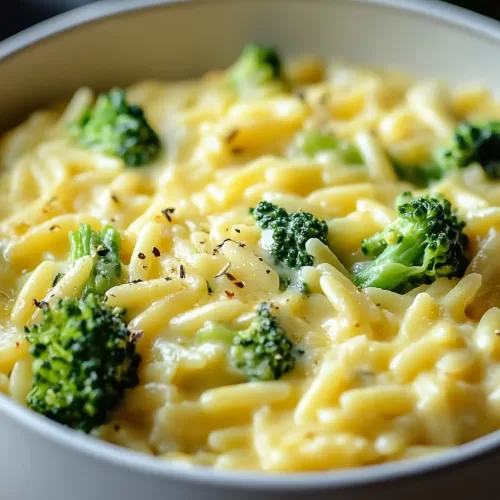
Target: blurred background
column 15, row 15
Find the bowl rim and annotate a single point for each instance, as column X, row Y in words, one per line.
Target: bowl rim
column 480, row 449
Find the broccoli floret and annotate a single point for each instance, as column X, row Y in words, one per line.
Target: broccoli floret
column 475, row 144
column 312, row 142
column 261, row 352
column 285, row 235
column 425, row 243
column 104, row 247
column 422, row 175
column 471, row 144
column 83, row 360
column 258, row 65
column 114, row 127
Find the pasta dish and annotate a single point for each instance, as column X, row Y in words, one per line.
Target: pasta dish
column 282, row 266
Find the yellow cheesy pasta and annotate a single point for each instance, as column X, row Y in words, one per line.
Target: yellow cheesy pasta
column 379, row 374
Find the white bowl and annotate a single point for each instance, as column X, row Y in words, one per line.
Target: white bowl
column 116, row 43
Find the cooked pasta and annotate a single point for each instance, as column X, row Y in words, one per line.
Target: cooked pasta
column 381, row 374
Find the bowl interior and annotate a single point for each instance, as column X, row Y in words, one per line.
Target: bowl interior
column 184, row 39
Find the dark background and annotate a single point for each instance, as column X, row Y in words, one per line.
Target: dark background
column 16, row 15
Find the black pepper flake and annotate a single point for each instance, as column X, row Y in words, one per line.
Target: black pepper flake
column 182, row 273
column 115, row 198
column 40, row 304
column 141, row 256
column 261, row 259
column 156, row 252
column 497, row 332
column 229, row 294
column 218, row 247
column 378, row 304
column 232, row 135
column 268, row 271
column 167, row 212
column 136, row 336
column 237, row 150
column 239, row 284
column 135, row 281
column 55, row 227
column 57, row 278
column 117, row 427
column 168, row 278
column 145, row 268
column 230, row 277
column 237, row 230
column 102, row 251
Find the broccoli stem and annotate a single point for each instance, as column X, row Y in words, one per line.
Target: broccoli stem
column 80, row 242
column 214, row 332
column 312, row 142
column 398, row 263
column 104, row 248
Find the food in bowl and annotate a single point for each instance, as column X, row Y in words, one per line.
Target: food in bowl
column 280, row 266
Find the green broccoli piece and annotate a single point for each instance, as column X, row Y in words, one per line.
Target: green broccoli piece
column 116, row 128
column 285, row 235
column 474, row 144
column 303, row 288
column 300, row 285
column 84, row 359
column 423, row 175
column 312, row 142
column 261, row 352
column 258, row 65
column 471, row 144
column 425, row 243
column 104, row 247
